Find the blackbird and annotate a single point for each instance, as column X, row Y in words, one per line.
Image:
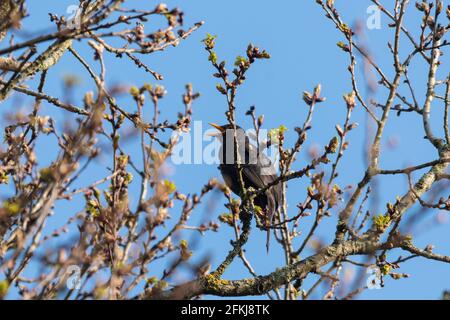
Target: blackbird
column 257, row 171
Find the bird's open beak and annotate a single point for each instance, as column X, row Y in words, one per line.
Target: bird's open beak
column 216, row 134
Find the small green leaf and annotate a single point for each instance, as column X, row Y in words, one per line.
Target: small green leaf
column 183, row 244
column 212, row 57
column 274, row 134
column 135, row 92
column 4, row 179
column 240, row 61
column 382, row 222
column 12, row 207
column 171, row 187
column 221, row 89
column 4, row 287
column 209, row 41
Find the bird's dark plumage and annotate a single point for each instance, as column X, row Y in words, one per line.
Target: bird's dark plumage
column 257, row 171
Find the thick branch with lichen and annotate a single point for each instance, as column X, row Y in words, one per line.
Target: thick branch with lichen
column 261, row 285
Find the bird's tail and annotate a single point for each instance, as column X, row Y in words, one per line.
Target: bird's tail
column 269, row 224
column 268, row 240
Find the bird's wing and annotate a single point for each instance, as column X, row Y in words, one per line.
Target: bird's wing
column 253, row 176
column 261, row 170
column 271, row 198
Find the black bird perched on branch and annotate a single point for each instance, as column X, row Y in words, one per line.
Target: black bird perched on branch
column 257, row 171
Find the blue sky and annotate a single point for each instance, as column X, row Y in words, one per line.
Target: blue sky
column 302, row 43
